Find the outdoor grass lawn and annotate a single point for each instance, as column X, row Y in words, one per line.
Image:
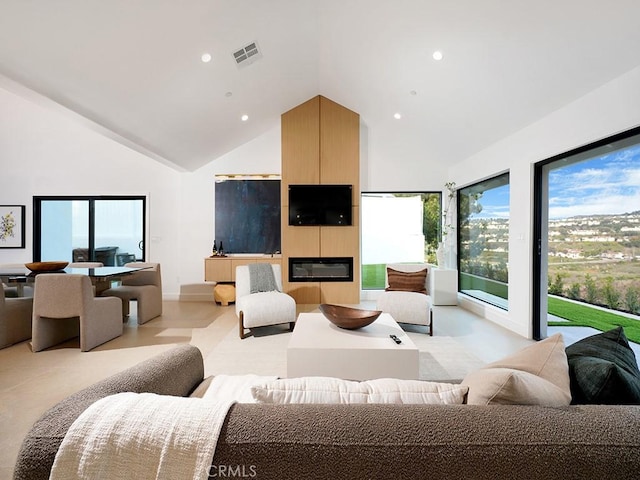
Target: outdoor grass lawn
column 585, row 316
column 373, row 276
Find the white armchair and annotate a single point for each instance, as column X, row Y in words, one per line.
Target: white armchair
column 407, row 297
column 265, row 307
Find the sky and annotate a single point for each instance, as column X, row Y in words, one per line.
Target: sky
column 607, row 184
column 495, row 203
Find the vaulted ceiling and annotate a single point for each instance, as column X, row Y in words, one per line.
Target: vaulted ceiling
column 135, row 68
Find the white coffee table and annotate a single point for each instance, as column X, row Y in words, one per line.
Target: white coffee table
column 319, row 348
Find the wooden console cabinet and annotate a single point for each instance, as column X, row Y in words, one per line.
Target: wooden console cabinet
column 223, row 269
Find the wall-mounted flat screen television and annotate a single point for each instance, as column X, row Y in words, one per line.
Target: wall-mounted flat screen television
column 328, row 205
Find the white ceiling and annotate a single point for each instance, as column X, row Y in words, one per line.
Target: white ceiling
column 133, row 66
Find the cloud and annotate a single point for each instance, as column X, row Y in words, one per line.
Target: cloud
column 596, row 205
column 602, row 186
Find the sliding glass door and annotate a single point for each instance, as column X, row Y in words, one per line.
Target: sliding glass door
column 103, row 229
column 587, row 231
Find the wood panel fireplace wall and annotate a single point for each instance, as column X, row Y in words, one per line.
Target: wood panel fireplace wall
column 321, row 145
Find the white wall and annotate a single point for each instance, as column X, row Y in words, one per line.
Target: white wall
column 45, row 151
column 259, row 156
column 612, row 108
column 391, row 164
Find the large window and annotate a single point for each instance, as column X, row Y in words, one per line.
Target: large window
column 483, row 240
column 587, row 230
column 401, row 227
column 99, row 229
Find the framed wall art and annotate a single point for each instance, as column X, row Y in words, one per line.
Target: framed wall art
column 247, row 213
column 12, row 231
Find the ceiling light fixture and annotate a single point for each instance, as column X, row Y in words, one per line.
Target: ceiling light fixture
column 206, row 57
column 397, row 116
column 244, row 118
column 437, row 55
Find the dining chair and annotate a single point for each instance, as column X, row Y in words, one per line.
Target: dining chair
column 64, row 307
column 144, row 286
column 85, row 265
column 15, row 319
column 123, row 258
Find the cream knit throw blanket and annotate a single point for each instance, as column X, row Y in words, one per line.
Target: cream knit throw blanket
column 142, row 436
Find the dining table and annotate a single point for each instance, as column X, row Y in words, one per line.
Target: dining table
column 101, row 277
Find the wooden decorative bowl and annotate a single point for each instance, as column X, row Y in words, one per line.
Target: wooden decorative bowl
column 46, row 266
column 347, row 317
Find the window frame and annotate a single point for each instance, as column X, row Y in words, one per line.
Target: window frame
column 459, row 237
column 540, row 214
column 438, row 234
column 37, row 219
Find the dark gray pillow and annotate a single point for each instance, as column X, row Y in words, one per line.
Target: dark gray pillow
column 603, row 370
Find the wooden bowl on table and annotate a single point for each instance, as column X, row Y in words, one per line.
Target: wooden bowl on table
column 38, row 267
column 347, row 317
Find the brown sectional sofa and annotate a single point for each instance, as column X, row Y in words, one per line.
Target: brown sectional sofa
column 373, row 441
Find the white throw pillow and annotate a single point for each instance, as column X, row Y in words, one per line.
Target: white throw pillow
column 335, row 390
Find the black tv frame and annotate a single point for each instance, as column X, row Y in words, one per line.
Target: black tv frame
column 320, row 205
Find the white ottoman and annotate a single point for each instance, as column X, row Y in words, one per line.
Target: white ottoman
column 407, row 307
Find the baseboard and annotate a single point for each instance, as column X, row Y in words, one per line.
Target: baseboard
column 491, row 313
column 192, row 292
column 195, row 297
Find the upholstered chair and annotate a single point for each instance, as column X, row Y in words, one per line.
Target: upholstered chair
column 144, row 286
column 64, row 307
column 262, row 308
column 406, row 297
column 13, row 290
column 15, row 319
column 85, row 265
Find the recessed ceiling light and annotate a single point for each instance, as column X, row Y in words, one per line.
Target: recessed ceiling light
column 244, row 118
column 228, row 94
column 206, row 57
column 397, row 116
column 437, row 55
column 413, row 93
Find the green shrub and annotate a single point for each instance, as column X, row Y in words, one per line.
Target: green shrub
column 575, row 291
column 610, row 293
column 632, row 299
column 557, row 287
column 591, row 288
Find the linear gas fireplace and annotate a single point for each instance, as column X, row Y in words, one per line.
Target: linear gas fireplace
column 322, row 269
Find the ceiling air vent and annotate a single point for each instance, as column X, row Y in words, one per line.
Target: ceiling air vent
column 247, row 55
